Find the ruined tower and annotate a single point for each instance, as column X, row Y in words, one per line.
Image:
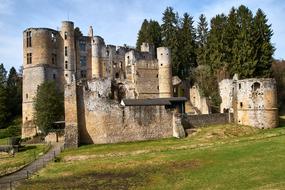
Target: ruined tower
column 40, row 63
column 97, row 44
column 67, row 34
column 253, row 101
column 164, row 72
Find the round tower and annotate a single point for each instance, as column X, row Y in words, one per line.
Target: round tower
column 97, row 65
column 164, row 72
column 67, row 34
column 40, row 63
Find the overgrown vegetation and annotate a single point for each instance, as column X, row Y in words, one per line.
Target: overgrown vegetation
column 216, row 157
column 49, row 106
column 13, row 129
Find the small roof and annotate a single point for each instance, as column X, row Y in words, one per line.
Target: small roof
column 152, row 102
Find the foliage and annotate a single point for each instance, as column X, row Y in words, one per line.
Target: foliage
column 169, row 33
column 278, row 68
column 49, row 106
column 150, row 32
column 202, row 35
column 186, row 45
column 208, row 85
column 12, row 129
column 14, row 91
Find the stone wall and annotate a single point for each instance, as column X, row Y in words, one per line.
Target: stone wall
column 71, row 116
column 252, row 101
column 102, row 120
column 189, row 121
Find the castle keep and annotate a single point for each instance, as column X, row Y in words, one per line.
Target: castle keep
column 103, row 86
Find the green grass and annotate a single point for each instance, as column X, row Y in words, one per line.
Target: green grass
column 215, row 157
column 13, row 129
column 25, row 156
column 4, row 141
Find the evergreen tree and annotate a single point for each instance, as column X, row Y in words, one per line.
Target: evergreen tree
column 263, row 50
column 143, row 34
column 150, row 32
column 3, row 74
column 4, row 112
column 231, row 32
column 14, row 90
column 202, row 35
column 216, row 44
column 243, row 47
column 186, row 44
column 169, row 30
column 49, row 106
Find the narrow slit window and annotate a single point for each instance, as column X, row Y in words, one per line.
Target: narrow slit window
column 65, row 50
column 65, row 35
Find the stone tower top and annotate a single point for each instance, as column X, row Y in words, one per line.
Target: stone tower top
column 90, row 32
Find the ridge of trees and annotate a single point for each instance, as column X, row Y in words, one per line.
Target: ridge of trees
column 236, row 43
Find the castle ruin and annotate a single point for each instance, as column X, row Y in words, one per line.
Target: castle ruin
column 103, row 85
column 118, row 94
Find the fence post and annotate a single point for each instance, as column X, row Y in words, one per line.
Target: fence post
column 10, row 185
column 27, row 174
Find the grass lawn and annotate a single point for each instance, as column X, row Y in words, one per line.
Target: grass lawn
column 214, row 157
column 25, row 155
column 4, row 141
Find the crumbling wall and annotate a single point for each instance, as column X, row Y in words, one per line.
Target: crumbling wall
column 71, row 114
column 106, row 121
column 257, row 103
column 199, row 103
column 252, row 101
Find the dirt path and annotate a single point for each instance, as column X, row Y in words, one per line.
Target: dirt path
column 10, row 181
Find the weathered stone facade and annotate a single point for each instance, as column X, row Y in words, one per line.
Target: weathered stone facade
column 252, row 101
column 95, row 77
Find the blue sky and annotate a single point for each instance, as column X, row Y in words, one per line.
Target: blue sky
column 117, row 21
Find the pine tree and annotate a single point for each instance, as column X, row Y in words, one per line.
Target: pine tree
column 263, row 48
column 143, row 34
column 14, row 90
column 49, row 106
column 243, row 47
column 4, row 112
column 3, row 74
column 216, row 43
column 202, row 35
column 231, row 32
column 169, row 30
column 186, row 44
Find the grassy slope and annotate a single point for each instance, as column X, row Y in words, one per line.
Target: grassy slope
column 26, row 155
column 219, row 157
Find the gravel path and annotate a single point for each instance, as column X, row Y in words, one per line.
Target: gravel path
column 10, row 181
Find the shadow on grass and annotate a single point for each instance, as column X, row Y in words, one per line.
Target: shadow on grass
column 114, row 179
column 25, row 148
column 282, row 121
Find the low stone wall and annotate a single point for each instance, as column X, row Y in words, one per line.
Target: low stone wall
column 189, row 121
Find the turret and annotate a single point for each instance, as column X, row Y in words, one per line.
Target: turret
column 149, row 48
column 67, row 34
column 164, row 72
column 97, row 44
